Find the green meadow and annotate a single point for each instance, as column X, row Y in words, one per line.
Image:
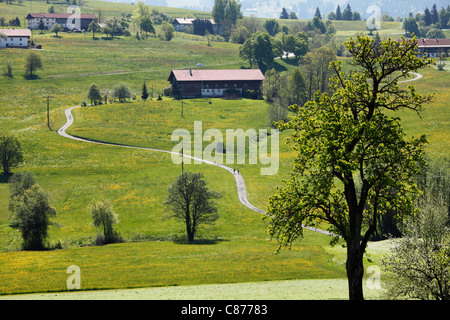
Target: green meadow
column 236, row 249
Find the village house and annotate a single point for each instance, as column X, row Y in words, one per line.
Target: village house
column 192, row 83
column 66, row 20
column 181, row 24
column 433, row 47
column 15, row 38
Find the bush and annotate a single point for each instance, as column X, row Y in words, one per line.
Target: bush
column 94, row 94
column 31, row 213
column 166, row 32
column 10, row 152
column 168, row 91
column 104, row 218
column 122, row 92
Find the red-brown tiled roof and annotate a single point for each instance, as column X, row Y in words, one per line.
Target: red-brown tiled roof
column 16, row 32
column 433, row 42
column 217, row 75
column 59, row 15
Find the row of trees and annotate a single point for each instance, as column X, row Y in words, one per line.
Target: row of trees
column 30, row 205
column 288, row 15
column 346, row 14
column 433, row 17
column 262, row 49
column 121, row 92
column 299, row 86
column 15, row 22
column 226, row 13
column 428, row 24
column 31, row 212
column 99, row 96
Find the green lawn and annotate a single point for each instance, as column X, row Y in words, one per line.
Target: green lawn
column 160, row 263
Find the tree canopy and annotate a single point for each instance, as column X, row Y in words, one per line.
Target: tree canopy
column 191, row 201
column 10, row 152
column 353, row 160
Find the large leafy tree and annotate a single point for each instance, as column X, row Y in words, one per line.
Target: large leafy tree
column 32, row 63
column 31, row 213
column 191, row 201
column 94, row 28
column 258, row 48
column 353, row 161
column 104, row 218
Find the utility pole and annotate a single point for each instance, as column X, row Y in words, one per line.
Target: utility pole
column 182, row 160
column 48, row 110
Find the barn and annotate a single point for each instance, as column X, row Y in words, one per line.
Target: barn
column 193, row 83
column 66, row 20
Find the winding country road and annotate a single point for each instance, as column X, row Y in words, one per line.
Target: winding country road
column 240, row 183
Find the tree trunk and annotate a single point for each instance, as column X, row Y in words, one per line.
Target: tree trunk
column 190, row 233
column 355, row 271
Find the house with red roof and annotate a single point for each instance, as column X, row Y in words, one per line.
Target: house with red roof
column 433, row 47
column 192, row 83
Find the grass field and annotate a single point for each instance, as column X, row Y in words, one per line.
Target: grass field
column 236, row 250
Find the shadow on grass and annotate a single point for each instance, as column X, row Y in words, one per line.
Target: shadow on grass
column 31, row 77
column 198, row 241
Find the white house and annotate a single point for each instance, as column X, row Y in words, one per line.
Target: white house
column 66, row 20
column 180, row 24
column 15, row 38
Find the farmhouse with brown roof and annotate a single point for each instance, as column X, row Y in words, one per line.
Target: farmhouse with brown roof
column 433, row 47
column 66, row 20
column 192, row 83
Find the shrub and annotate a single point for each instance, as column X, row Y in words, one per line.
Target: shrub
column 122, row 92
column 31, row 213
column 10, row 152
column 104, row 218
